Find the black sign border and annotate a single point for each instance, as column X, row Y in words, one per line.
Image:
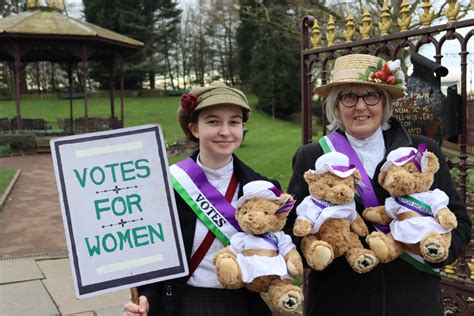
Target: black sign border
column 83, row 290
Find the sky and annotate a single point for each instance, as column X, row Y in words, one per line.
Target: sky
column 450, row 51
column 74, row 7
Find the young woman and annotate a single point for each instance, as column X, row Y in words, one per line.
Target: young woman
column 214, row 116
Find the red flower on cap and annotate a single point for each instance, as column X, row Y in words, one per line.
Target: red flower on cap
column 189, row 102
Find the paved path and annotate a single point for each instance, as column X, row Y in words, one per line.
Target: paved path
column 35, row 274
column 30, row 220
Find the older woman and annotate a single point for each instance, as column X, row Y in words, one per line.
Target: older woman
column 359, row 109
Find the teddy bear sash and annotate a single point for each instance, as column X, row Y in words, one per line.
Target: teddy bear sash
column 336, row 142
column 412, row 230
column 211, row 207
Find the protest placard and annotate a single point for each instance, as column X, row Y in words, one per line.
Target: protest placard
column 118, row 209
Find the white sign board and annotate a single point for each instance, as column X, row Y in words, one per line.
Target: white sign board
column 118, row 209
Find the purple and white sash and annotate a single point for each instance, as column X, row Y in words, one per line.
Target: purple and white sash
column 321, row 203
column 336, row 142
column 204, row 199
column 272, row 239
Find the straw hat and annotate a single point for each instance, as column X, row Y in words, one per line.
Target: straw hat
column 368, row 70
column 217, row 93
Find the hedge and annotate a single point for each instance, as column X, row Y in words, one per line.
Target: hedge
column 19, row 142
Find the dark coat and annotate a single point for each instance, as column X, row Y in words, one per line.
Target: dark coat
column 392, row 289
column 164, row 297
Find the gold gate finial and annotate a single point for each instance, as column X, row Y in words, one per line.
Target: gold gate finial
column 470, row 264
column 385, row 20
column 366, row 24
column 452, row 11
column 315, row 35
column 405, row 17
column 450, row 269
column 350, row 28
column 427, row 16
column 331, row 36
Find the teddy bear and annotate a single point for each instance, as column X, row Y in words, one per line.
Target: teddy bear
column 419, row 219
column 328, row 219
column 262, row 257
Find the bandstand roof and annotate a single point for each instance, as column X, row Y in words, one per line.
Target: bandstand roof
column 35, row 29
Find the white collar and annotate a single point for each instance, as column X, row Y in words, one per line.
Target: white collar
column 376, row 139
column 224, row 171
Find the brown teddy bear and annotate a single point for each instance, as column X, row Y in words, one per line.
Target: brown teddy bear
column 262, row 257
column 328, row 217
column 419, row 220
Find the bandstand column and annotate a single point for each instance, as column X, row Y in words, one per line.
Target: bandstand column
column 85, row 72
column 17, row 66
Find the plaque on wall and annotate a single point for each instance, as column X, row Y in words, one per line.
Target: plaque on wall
column 423, row 109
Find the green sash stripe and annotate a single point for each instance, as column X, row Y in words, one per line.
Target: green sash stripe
column 423, row 267
column 422, row 204
column 192, row 204
column 324, row 145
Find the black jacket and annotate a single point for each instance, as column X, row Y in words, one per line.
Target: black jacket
column 164, row 297
column 392, row 289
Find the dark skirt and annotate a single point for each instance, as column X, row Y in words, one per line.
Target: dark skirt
column 217, row 302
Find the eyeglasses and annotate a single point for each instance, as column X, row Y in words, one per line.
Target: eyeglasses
column 349, row 100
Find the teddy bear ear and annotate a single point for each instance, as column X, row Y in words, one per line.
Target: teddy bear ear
column 310, row 176
column 433, row 164
column 382, row 176
column 284, row 198
column 357, row 175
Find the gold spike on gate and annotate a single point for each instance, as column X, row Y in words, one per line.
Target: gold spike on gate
column 331, row 34
column 350, row 28
column 366, row 24
column 385, row 20
column 452, row 11
column 427, row 16
column 315, row 35
column 404, row 19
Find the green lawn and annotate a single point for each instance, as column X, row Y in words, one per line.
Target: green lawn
column 268, row 146
column 5, row 177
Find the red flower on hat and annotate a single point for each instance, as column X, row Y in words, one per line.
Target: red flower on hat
column 189, row 102
column 384, row 73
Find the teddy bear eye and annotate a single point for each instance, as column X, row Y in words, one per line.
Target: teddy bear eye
column 266, row 213
column 330, row 185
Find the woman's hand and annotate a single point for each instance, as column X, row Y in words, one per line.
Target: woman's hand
column 132, row 309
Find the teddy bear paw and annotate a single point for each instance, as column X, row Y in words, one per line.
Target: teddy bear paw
column 365, row 262
column 289, row 301
column 319, row 255
column 447, row 219
column 379, row 243
column 301, row 228
column 228, row 273
column 433, row 250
